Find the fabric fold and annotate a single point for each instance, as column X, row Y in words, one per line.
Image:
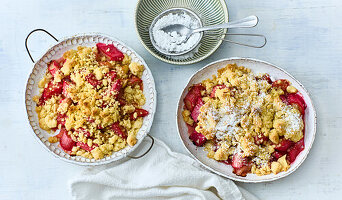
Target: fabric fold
column 160, row 174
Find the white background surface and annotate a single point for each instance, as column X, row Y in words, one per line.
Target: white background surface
column 304, row 37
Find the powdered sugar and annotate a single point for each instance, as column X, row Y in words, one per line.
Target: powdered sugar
column 293, row 121
column 174, row 42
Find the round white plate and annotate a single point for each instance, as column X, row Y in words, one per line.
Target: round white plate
column 55, row 52
column 257, row 66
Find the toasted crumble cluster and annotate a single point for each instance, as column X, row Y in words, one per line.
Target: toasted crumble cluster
column 94, row 96
column 246, row 120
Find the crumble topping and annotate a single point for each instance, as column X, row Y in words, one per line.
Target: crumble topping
column 94, row 95
column 246, row 115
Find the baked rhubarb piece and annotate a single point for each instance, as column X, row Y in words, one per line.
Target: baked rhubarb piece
column 91, row 99
column 248, row 121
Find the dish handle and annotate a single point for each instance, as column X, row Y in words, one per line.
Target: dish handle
column 148, row 150
column 28, row 51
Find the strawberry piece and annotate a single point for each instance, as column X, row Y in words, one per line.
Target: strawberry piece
column 277, row 155
column 92, row 80
column 90, row 120
column 259, row 139
column 297, row 101
column 134, row 80
column 197, row 138
column 243, row 171
column 61, row 61
column 66, row 85
column 284, row 145
column 281, row 83
column 110, row 51
column 140, row 113
column 238, row 161
column 118, row 130
column 112, row 75
column 122, row 102
column 295, row 150
column 196, row 111
column 54, row 67
column 241, row 165
column 51, row 90
column 191, row 129
column 191, row 98
column 61, row 119
column 116, row 87
column 284, row 99
column 212, row 94
column 85, row 146
column 85, row 132
column 66, row 142
column 267, row 78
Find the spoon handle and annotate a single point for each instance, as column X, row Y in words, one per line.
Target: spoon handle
column 246, row 22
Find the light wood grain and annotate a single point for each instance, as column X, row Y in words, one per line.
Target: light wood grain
column 304, row 37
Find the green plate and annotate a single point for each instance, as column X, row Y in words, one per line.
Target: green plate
column 211, row 12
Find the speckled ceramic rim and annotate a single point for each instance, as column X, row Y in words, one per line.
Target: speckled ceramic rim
column 122, row 154
column 225, row 10
column 283, row 174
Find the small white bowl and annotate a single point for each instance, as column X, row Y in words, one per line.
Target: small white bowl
column 257, row 66
column 175, row 11
column 55, row 52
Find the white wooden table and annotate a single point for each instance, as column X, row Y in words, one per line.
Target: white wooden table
column 304, row 37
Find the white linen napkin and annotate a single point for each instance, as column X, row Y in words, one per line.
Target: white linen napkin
column 161, row 174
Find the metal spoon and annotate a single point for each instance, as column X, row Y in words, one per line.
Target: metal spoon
column 247, row 22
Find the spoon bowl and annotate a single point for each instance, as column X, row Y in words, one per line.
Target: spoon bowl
column 182, row 30
column 175, row 11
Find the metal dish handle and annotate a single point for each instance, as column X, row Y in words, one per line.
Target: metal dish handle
column 148, row 150
column 35, row 30
column 239, row 43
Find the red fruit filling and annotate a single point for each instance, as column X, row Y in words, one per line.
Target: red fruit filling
column 298, row 101
column 281, row 83
column 66, row 85
column 118, row 130
column 284, row 145
column 196, row 111
column 66, row 142
column 267, row 78
column 197, row 138
column 191, row 129
column 91, row 78
column 54, row 67
column 51, row 90
column 238, row 161
column 112, row 75
column 191, row 98
column 116, row 87
column 295, row 150
column 61, row 119
column 259, row 139
column 110, row 51
column 85, row 146
column 212, row 94
column 241, row 165
column 277, row 155
column 135, row 81
column 140, row 113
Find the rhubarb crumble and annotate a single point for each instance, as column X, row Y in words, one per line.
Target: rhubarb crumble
column 246, row 120
column 92, row 97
